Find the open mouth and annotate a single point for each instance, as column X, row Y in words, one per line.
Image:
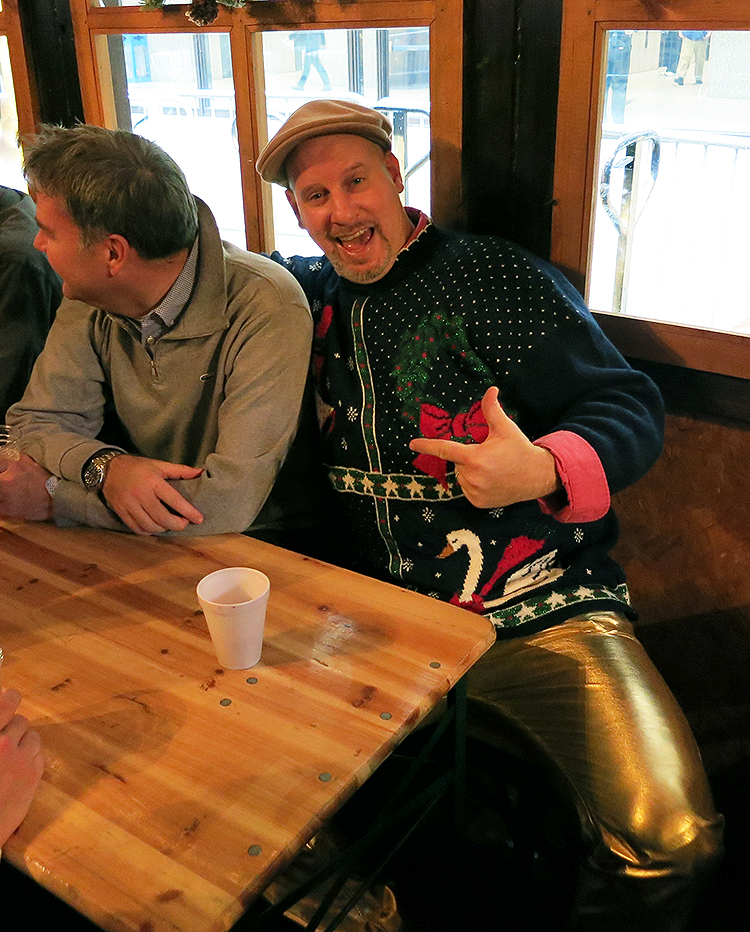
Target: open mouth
column 356, row 241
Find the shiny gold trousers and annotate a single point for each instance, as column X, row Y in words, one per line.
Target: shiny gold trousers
column 589, row 700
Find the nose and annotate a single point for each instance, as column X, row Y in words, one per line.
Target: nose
column 343, row 208
column 39, row 241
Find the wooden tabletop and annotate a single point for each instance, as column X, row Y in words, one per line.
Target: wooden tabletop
column 174, row 789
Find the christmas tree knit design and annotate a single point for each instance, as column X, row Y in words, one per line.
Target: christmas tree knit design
column 418, row 351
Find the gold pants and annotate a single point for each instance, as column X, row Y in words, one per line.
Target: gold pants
column 587, row 698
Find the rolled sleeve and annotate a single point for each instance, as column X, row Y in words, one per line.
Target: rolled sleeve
column 583, row 478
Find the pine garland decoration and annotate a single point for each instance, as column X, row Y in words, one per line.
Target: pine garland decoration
column 203, row 12
column 200, row 12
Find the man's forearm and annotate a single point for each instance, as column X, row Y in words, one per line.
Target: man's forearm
column 73, row 505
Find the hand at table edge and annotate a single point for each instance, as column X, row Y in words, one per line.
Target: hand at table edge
column 137, row 489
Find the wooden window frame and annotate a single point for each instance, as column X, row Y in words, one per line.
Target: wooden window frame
column 583, row 58
column 245, row 26
column 23, row 88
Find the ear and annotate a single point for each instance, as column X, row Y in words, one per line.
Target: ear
column 293, row 204
column 394, row 170
column 116, row 249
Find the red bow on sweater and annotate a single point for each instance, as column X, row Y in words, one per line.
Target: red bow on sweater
column 435, row 423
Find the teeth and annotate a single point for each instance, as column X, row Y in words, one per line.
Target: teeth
column 353, row 236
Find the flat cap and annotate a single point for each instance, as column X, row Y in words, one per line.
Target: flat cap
column 320, row 118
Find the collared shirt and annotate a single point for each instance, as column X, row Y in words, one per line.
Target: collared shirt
column 156, row 323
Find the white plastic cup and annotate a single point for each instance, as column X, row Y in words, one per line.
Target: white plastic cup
column 234, row 603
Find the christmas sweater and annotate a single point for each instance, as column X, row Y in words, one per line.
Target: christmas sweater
column 412, row 355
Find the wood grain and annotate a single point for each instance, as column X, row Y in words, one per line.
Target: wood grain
column 164, row 770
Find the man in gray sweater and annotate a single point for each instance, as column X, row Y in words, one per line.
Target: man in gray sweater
column 169, row 390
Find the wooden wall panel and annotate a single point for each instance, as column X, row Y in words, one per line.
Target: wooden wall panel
column 685, row 545
column 685, row 527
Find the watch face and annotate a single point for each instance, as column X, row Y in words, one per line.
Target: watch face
column 93, row 476
column 94, row 473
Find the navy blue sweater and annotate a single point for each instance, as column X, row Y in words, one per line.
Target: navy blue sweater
column 413, row 354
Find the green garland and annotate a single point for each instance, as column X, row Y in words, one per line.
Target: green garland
column 201, row 12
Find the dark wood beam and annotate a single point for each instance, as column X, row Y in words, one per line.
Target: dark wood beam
column 510, row 109
column 48, row 36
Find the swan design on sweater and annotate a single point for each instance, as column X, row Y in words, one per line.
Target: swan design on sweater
column 518, row 550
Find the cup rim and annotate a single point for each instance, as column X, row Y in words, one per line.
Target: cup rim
column 226, row 569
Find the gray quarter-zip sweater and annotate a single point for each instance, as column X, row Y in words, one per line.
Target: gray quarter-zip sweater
column 222, row 391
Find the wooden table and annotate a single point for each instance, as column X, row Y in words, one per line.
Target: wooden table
column 175, row 790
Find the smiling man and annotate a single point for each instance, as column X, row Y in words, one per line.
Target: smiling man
column 346, row 196
column 475, row 421
column 168, row 392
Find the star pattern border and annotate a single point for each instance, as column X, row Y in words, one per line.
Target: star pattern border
column 396, row 486
column 533, row 609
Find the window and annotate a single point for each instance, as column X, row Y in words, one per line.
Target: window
column 15, row 98
column 212, row 96
column 383, row 68
column 653, row 176
column 177, row 90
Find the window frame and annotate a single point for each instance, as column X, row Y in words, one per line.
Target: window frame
column 582, row 63
column 245, row 26
column 23, row 88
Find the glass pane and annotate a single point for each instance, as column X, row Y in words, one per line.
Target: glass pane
column 11, row 174
column 671, row 237
column 177, row 90
column 383, row 68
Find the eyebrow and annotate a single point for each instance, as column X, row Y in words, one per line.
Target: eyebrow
column 358, row 166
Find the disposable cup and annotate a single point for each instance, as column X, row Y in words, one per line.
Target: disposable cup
column 234, row 603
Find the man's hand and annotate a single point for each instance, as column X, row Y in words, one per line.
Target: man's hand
column 22, row 491
column 137, row 490
column 505, row 468
column 21, row 764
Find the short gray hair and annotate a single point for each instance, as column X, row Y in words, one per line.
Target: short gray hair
column 113, row 181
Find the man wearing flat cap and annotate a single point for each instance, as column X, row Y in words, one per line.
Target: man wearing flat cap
column 475, row 421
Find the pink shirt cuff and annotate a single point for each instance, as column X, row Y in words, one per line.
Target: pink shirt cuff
column 583, row 478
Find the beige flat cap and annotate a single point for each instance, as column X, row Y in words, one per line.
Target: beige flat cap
column 320, row 118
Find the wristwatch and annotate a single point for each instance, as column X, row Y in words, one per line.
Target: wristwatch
column 96, row 469
column 50, row 485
